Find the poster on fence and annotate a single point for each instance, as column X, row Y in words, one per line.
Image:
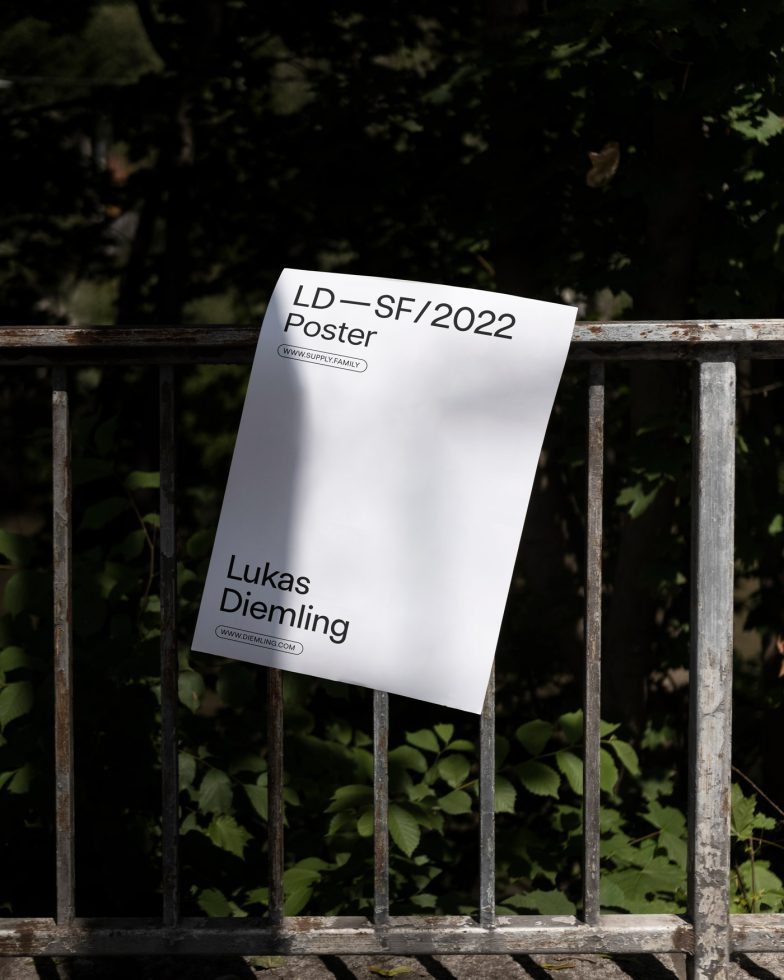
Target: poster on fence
column 383, row 465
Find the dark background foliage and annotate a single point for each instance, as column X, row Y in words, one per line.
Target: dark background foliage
column 162, row 160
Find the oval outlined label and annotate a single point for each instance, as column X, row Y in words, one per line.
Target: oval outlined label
column 309, row 355
column 263, row 641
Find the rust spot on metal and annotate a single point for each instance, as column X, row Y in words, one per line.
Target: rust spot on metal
column 683, row 939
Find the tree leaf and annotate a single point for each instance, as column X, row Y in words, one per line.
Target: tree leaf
column 408, row 757
column 214, row 903
column 505, row 796
column 534, row 735
column 259, row 799
column 215, row 794
column 626, row 755
column 348, row 797
column 21, row 779
column 27, row 591
column 339, row 822
column 539, row 778
column 131, row 546
column 403, row 829
column 743, row 808
column 572, row 724
column 298, row 885
column 638, row 498
column 297, row 899
column 745, row 819
column 423, row 739
column 190, row 688
column 639, row 885
column 675, row 847
column 666, row 818
column 763, row 890
column 12, row 658
column 612, row 896
column 15, row 547
column 462, row 745
column 444, row 732
column 454, row 769
column 572, row 767
column 608, row 771
column 502, row 749
column 458, row 801
column 552, row 902
column 365, row 824
column 226, row 833
column 15, row 700
column 143, row 480
column 199, row 544
column 186, row 766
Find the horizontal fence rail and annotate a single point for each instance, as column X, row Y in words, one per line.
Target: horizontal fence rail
column 707, row 932
column 616, row 340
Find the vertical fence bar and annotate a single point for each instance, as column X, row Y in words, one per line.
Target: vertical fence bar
column 487, row 808
column 381, row 806
column 593, row 645
column 168, row 648
column 63, row 645
column 275, row 792
column 710, row 712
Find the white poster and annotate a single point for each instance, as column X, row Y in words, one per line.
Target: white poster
column 380, row 480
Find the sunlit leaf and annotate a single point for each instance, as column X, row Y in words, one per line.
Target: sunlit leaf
column 227, row 834
column 539, row 778
column 572, row 767
column 444, row 732
column 505, row 795
column 534, row 735
column 423, row 739
column 608, row 771
column 403, row 829
column 348, row 797
column 572, row 725
column 454, row 769
column 458, row 801
column 626, row 755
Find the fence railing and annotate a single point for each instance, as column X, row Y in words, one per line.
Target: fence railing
column 707, row 932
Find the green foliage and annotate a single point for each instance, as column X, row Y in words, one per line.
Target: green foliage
column 753, row 886
column 113, row 128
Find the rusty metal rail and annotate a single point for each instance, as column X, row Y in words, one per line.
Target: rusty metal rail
column 708, row 932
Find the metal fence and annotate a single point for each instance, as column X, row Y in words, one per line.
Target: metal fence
column 708, row 932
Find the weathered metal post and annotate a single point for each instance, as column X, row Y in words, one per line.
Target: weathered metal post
column 63, row 645
column 593, row 647
column 710, row 715
column 487, row 916
column 381, row 807
column 168, row 649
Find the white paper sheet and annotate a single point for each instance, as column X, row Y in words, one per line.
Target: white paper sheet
column 380, row 480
